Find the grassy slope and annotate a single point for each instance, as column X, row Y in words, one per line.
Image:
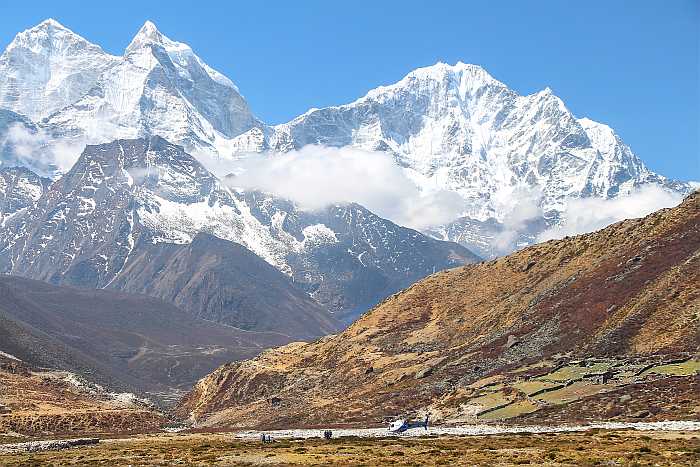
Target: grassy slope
column 629, row 290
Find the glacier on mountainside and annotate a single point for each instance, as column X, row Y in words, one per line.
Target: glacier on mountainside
column 456, row 128
column 449, row 127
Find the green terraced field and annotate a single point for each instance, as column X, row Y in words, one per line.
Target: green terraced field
column 494, row 399
column 687, row 368
column 532, row 387
column 511, row 410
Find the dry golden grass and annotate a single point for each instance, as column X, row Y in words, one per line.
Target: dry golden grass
column 44, row 403
column 590, row 448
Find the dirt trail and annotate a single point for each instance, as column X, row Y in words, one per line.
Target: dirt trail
column 474, row 430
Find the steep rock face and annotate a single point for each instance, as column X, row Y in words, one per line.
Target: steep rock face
column 84, row 227
column 628, row 291
column 20, row 188
column 225, row 282
column 348, row 258
column 122, row 198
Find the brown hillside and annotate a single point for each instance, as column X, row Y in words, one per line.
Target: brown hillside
column 574, row 319
column 36, row 402
column 118, row 340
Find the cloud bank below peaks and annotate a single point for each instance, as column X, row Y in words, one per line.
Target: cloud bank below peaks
column 583, row 215
column 317, row 176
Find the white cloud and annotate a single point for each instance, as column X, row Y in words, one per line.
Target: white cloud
column 317, row 176
column 36, row 150
column 40, row 152
column 522, row 205
column 585, row 215
column 24, row 142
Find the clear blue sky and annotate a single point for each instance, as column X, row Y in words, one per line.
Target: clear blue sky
column 631, row 64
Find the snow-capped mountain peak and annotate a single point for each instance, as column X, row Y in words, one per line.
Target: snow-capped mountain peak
column 461, row 70
column 47, row 34
column 74, row 93
column 450, row 127
column 457, row 128
column 48, row 67
column 148, row 34
column 462, row 79
column 50, row 23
